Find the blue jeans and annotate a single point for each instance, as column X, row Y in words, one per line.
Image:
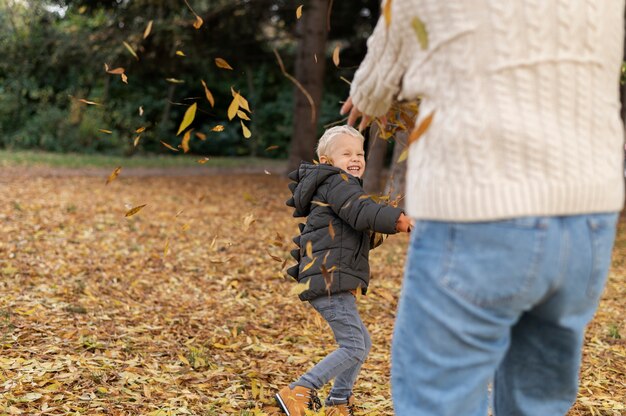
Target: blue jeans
column 504, row 302
column 343, row 364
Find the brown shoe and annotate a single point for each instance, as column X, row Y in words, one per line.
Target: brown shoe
column 296, row 401
column 345, row 409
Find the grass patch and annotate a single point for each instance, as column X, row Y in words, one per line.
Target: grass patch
column 10, row 158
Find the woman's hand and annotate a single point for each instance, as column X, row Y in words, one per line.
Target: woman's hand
column 354, row 115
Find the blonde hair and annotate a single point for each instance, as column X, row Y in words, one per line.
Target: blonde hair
column 329, row 135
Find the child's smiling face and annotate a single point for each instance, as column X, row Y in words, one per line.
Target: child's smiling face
column 346, row 153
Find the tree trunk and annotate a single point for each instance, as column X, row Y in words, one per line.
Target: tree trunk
column 310, row 62
column 373, row 180
column 396, row 183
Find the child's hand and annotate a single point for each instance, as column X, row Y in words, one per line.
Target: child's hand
column 403, row 224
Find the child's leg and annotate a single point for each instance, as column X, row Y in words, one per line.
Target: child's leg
column 341, row 313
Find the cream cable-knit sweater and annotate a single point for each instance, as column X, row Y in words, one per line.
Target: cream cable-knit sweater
column 526, row 102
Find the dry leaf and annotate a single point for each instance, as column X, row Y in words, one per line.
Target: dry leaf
column 421, row 129
column 136, row 141
column 300, row 287
column 115, row 71
column 331, row 231
column 218, row 128
column 201, row 136
column 221, row 63
column 185, row 142
column 387, row 12
column 404, row 155
column 140, row 111
column 344, row 176
column 180, row 53
column 320, row 203
column 168, row 146
column 273, row 147
column 113, row 175
column 124, row 78
column 299, row 12
column 140, row 130
column 146, row 32
column 242, row 115
column 131, row 50
column 82, row 100
column 198, row 22
column 203, row 160
column 134, row 210
column 174, row 81
column 309, row 249
column 336, row 55
column 105, row 131
column 233, row 108
column 246, row 132
column 247, row 221
column 208, row 94
column 190, row 115
column 420, row 30
column 309, row 265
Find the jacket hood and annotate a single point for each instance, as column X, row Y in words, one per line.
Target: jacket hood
column 307, row 178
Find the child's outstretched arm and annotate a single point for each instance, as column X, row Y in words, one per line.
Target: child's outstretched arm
column 348, row 200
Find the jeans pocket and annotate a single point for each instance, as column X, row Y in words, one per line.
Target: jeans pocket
column 493, row 263
column 326, row 306
column 602, row 235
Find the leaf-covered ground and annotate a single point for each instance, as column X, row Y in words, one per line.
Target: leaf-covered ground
column 183, row 308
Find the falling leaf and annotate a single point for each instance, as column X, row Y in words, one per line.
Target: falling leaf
column 246, row 131
column 146, row 32
column 336, row 55
column 403, row 156
column 300, row 287
column 315, row 57
column 190, row 115
column 140, row 130
column 82, row 100
column 278, row 259
column 321, row 204
column 140, row 111
column 115, row 71
column 299, row 12
column 247, row 221
column 218, row 128
column 201, row 136
column 166, row 249
column 387, row 12
column 221, row 63
column 421, row 129
column 180, row 53
column 273, row 147
column 168, row 146
column 198, row 22
column 208, row 94
column 124, row 78
column 308, row 266
column 185, row 142
column 174, row 81
column 134, row 210
column 267, row 172
column 420, row 31
column 136, row 141
column 105, row 131
column 309, row 249
column 344, row 176
column 331, row 230
column 131, row 50
column 242, row 115
column 326, row 258
column 203, row 160
column 233, row 108
column 113, row 175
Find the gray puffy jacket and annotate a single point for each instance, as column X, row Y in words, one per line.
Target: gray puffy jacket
column 339, row 225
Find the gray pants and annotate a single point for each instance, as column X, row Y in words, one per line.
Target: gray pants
column 354, row 342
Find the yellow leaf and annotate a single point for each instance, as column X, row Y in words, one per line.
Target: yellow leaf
column 82, row 100
column 275, row 258
column 331, row 231
column 168, row 146
column 180, row 53
column 134, row 210
column 247, row 221
column 344, row 177
column 420, row 31
column 190, row 115
column 309, row 249
column 243, row 103
column 246, row 131
column 221, row 63
column 183, row 359
column 113, row 175
column 387, row 12
column 201, row 136
column 105, row 131
column 233, row 108
column 336, row 55
column 203, row 160
column 299, row 12
column 321, row 204
column 140, row 130
column 208, row 94
column 185, row 143
column 218, row 128
column 131, row 50
column 404, row 155
column 136, row 141
column 124, row 78
column 308, row 266
column 273, row 147
column 140, row 111
column 166, row 249
column 146, row 32
column 115, row 71
column 300, row 287
column 242, row 115
column 198, row 22
column 174, row 81
column 421, row 129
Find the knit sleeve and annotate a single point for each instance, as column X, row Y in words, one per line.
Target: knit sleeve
column 377, row 81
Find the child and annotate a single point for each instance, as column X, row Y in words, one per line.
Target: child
column 340, row 226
